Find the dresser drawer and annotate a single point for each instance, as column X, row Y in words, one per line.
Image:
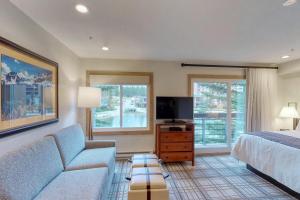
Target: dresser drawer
column 178, row 156
column 176, row 137
column 169, row 147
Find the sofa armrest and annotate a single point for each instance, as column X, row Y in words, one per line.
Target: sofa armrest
column 92, row 144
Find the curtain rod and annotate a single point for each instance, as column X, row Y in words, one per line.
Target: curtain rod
column 226, row 66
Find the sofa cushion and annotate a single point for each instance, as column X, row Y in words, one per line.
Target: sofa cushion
column 70, row 142
column 92, row 158
column 23, row 173
column 87, row 184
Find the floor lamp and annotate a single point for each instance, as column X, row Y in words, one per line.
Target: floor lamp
column 88, row 98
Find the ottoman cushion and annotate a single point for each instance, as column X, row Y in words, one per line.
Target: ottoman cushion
column 142, row 178
column 145, row 163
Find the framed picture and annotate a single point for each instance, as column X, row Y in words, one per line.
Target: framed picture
column 29, row 89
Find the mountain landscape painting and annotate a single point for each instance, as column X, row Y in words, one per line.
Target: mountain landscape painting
column 24, row 89
column 28, row 91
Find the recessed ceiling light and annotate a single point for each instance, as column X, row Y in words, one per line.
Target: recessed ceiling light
column 289, row 2
column 285, row 57
column 81, row 8
column 105, row 48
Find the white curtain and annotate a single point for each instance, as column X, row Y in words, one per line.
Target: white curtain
column 261, row 99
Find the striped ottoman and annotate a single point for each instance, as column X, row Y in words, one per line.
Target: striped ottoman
column 145, row 160
column 147, row 183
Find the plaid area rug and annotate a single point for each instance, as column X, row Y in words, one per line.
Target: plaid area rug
column 212, row 178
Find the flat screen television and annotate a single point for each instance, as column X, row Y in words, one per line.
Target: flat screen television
column 174, row 108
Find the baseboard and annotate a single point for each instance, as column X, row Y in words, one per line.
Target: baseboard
column 212, row 154
column 125, row 155
column 274, row 182
column 212, row 150
column 129, row 154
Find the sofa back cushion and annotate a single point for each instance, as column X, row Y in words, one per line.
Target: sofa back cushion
column 25, row 172
column 70, row 142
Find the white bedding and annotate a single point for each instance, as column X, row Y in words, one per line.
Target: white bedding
column 276, row 160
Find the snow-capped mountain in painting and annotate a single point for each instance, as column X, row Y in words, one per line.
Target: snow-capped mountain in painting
column 19, row 72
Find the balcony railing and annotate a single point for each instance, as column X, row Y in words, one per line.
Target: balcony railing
column 211, row 128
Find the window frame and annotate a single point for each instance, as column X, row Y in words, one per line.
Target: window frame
column 122, row 130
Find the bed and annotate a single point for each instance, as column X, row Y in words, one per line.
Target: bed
column 273, row 155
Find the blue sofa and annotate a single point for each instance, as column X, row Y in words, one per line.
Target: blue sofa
column 61, row 166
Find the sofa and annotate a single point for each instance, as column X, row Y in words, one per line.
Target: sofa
column 60, row 166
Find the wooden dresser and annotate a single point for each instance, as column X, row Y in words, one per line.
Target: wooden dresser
column 175, row 145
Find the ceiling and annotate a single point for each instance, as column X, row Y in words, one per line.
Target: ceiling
column 242, row 31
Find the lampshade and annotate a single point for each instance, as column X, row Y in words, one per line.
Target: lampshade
column 89, row 97
column 289, row 112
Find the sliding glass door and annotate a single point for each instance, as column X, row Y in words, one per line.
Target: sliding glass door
column 238, row 108
column 219, row 111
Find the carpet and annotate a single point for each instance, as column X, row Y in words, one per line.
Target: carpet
column 212, row 178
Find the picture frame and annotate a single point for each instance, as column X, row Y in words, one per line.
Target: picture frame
column 29, row 89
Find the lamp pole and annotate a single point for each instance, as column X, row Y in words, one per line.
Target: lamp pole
column 88, row 98
column 89, row 124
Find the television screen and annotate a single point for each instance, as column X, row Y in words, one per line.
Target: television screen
column 174, row 107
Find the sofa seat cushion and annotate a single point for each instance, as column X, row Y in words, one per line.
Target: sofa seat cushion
column 25, row 172
column 93, row 158
column 87, row 184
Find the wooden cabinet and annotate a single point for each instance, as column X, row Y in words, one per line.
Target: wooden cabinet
column 175, row 146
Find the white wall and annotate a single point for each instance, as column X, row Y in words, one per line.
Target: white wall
column 170, row 79
column 17, row 27
column 289, row 87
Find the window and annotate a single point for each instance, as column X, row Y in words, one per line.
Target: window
column 238, row 108
column 210, row 112
column 108, row 115
column 126, row 102
column 122, row 106
column 135, row 103
column 219, row 110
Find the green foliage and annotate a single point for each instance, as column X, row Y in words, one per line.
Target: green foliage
column 135, row 90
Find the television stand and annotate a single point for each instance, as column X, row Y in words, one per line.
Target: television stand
column 175, row 128
column 175, row 142
column 174, row 121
